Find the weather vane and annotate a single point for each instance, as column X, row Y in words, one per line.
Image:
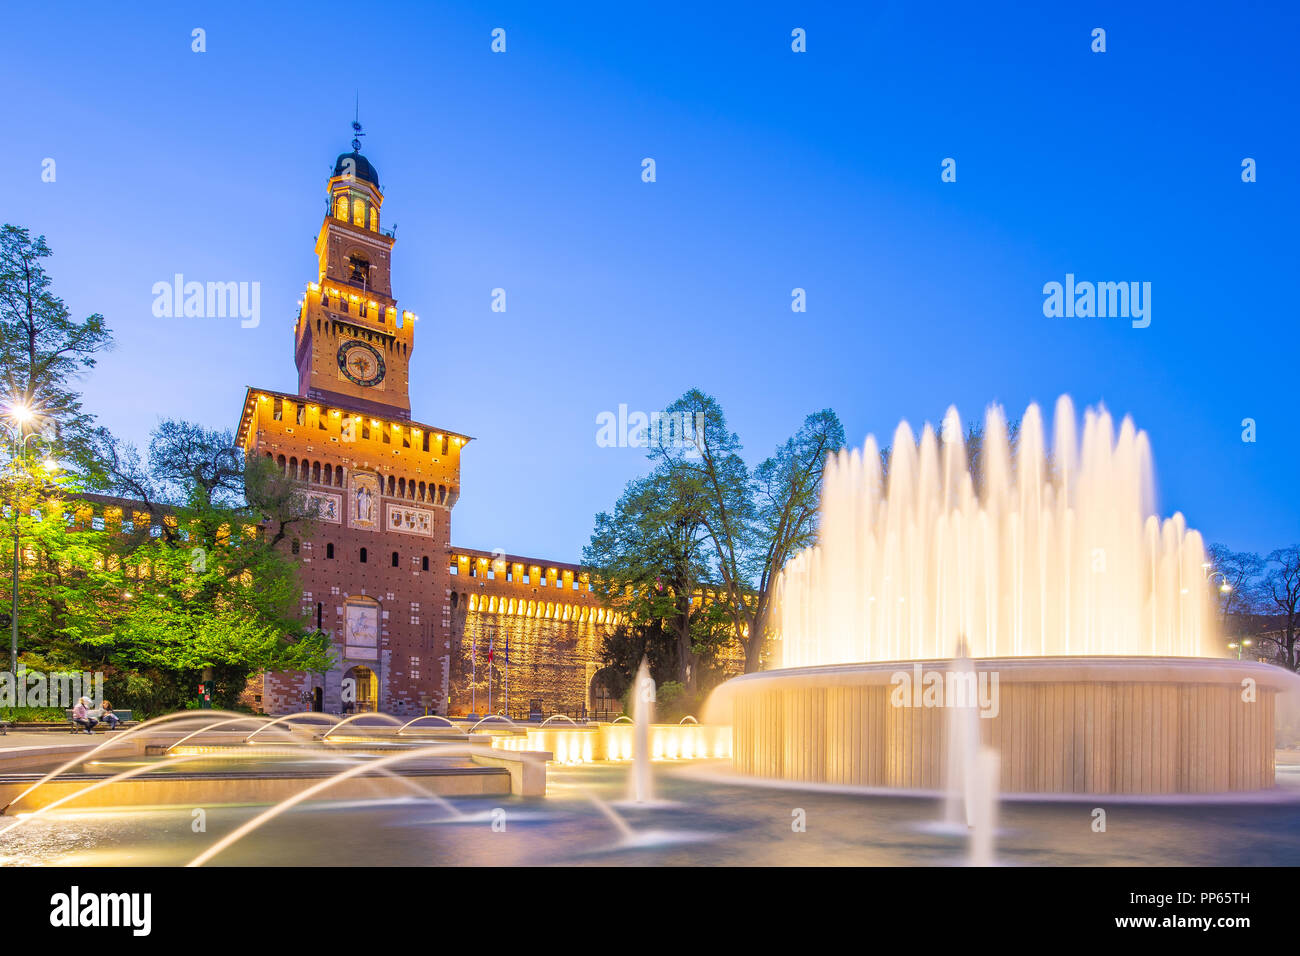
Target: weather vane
column 356, row 127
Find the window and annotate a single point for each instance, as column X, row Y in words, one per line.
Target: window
column 329, row 550
column 358, row 213
column 394, row 559
column 296, row 546
column 363, row 555
column 374, row 219
column 454, row 567
column 341, row 208
column 424, row 563
column 318, row 615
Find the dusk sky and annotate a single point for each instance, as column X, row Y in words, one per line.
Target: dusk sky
column 775, row 170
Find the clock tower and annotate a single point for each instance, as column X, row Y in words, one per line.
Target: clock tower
column 353, row 346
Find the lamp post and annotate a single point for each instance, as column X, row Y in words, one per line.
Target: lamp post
column 1240, row 646
column 20, row 415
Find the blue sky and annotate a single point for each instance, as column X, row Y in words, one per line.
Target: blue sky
column 775, row 170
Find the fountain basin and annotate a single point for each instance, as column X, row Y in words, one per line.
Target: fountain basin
column 1085, row 725
column 615, row 742
column 267, row 786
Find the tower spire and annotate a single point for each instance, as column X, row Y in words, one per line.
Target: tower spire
column 356, row 126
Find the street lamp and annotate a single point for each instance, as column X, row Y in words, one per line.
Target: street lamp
column 21, row 415
column 1240, row 646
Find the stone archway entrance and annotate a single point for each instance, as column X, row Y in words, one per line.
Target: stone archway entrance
column 605, row 703
column 364, row 690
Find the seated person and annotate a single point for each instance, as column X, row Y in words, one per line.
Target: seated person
column 107, row 716
column 81, row 714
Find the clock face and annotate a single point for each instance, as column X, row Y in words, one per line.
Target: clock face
column 361, row 363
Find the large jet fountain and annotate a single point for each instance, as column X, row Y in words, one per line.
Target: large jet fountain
column 1097, row 662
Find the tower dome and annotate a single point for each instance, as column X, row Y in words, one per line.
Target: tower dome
column 358, row 166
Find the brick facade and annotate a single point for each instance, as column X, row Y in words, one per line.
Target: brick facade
column 377, row 561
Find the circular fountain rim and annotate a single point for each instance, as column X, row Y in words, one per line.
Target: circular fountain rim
column 1082, row 667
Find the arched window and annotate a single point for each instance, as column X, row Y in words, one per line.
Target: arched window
column 329, row 551
column 341, row 209
column 394, row 559
column 374, row 219
column 358, row 213
column 363, row 555
column 424, row 563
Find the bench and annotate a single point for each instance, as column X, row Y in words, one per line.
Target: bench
column 123, row 716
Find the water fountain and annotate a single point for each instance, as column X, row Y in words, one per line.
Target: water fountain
column 961, row 775
column 643, row 715
column 1086, row 616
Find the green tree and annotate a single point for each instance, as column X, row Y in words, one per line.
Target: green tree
column 207, row 584
column 705, row 526
column 650, row 558
column 754, row 522
column 43, row 349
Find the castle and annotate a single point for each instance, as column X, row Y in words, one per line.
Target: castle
column 418, row 625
